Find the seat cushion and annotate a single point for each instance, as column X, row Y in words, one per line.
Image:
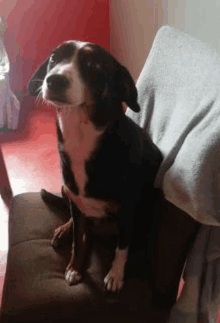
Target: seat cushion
column 35, row 288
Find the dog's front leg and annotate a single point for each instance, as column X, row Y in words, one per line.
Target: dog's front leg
column 114, row 281
column 73, row 273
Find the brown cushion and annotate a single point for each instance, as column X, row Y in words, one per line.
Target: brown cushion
column 35, row 288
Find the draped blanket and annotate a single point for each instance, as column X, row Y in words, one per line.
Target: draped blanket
column 179, row 95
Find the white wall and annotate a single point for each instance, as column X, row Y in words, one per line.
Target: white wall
column 132, row 30
column 199, row 18
column 134, row 23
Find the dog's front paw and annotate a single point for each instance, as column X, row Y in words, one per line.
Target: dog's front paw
column 72, row 276
column 114, row 281
column 62, row 234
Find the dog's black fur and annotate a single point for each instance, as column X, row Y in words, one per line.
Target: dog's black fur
column 123, row 166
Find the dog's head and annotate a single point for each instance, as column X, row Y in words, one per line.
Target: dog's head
column 80, row 75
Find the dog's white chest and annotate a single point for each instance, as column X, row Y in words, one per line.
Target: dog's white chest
column 79, row 136
column 90, row 207
column 80, row 140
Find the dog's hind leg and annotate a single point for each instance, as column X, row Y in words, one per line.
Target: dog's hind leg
column 63, row 235
column 73, row 271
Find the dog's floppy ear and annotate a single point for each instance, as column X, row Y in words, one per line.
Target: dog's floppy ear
column 35, row 83
column 128, row 89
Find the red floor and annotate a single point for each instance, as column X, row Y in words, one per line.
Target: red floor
column 31, row 156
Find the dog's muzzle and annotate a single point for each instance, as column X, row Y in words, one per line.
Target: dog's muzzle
column 56, row 87
column 57, row 83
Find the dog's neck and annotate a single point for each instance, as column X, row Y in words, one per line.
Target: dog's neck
column 79, row 134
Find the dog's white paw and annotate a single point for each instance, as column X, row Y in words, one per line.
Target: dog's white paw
column 114, row 281
column 72, row 277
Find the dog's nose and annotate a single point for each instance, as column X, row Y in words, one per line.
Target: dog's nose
column 57, row 83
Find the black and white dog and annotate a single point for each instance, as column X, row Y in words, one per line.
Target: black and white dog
column 108, row 163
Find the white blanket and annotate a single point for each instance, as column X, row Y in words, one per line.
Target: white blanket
column 9, row 105
column 179, row 95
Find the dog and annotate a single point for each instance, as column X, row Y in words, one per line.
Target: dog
column 108, row 163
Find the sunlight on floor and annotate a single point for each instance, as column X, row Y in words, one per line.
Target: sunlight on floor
column 31, row 166
column 36, row 166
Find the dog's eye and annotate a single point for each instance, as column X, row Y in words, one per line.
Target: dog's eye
column 94, row 65
column 53, row 58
